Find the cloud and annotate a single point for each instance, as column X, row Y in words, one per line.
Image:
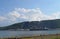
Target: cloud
column 23, row 14
column 56, row 15
column 36, row 14
column 2, row 18
column 12, row 16
column 31, row 15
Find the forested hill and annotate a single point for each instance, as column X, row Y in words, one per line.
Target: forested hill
column 49, row 24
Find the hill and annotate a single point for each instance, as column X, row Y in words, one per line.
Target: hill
column 34, row 25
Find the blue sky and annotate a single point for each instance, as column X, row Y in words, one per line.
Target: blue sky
column 45, row 5
column 12, row 11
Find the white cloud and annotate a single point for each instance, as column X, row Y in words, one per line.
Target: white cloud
column 2, row 18
column 13, row 15
column 36, row 14
column 23, row 10
column 29, row 14
column 56, row 15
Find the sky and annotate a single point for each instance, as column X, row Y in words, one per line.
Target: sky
column 14, row 11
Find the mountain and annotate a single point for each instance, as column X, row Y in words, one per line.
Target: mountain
column 34, row 25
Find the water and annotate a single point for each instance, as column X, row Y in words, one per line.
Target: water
column 27, row 33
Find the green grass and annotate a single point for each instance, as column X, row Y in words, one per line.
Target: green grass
column 56, row 38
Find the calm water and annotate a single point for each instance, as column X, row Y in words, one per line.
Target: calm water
column 26, row 33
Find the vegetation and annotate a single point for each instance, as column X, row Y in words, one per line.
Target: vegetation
column 34, row 25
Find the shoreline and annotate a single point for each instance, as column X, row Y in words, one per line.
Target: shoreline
column 50, row 36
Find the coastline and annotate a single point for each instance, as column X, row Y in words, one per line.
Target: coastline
column 50, row 36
